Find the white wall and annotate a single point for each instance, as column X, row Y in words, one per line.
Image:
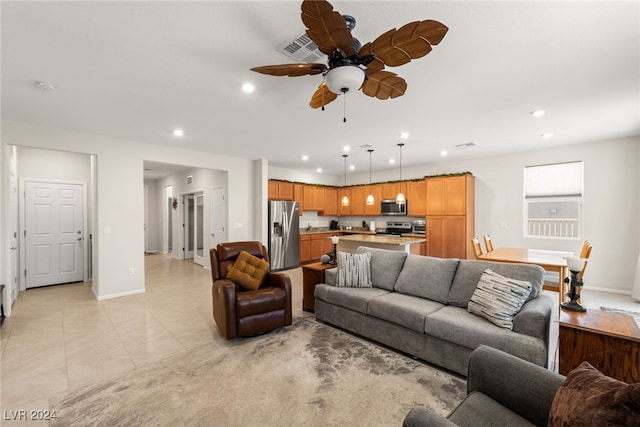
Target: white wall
column 611, row 203
column 154, row 217
column 120, row 201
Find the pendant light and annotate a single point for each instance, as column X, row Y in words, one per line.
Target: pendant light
column 400, row 197
column 345, row 199
column 370, row 198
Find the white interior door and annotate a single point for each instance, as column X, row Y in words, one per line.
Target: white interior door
column 198, row 229
column 188, row 226
column 54, row 233
column 218, row 216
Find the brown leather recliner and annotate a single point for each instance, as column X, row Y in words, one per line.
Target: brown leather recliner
column 239, row 312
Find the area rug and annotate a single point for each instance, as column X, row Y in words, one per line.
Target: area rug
column 634, row 314
column 309, row 374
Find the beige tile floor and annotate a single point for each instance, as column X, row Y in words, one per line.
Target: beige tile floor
column 61, row 337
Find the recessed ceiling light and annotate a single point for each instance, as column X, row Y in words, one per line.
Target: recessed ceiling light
column 248, row 88
column 305, row 158
column 392, row 161
column 538, row 113
column 346, row 148
column 404, row 135
column 352, row 167
column 443, row 153
column 319, row 170
column 546, row 135
column 45, row 86
column 178, row 132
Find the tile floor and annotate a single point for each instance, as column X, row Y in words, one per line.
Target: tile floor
column 61, row 337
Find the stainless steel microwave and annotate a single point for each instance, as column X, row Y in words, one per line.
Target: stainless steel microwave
column 391, row 208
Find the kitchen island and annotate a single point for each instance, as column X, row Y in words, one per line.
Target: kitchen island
column 394, row 243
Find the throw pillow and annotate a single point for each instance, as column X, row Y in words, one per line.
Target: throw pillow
column 248, row 271
column 590, row 398
column 354, row 270
column 498, row 298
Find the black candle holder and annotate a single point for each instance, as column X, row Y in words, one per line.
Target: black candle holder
column 332, row 256
column 574, row 293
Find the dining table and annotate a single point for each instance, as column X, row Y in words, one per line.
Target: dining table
column 554, row 261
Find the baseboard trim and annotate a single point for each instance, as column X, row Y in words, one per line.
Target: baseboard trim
column 117, row 295
column 607, row 290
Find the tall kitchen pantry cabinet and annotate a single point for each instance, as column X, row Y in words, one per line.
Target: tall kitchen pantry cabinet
column 450, row 219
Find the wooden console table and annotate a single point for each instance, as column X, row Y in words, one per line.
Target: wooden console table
column 312, row 274
column 609, row 341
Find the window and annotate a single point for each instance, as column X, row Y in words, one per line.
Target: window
column 553, row 200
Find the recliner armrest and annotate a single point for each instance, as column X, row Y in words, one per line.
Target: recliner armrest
column 224, row 306
column 282, row 281
column 523, row 387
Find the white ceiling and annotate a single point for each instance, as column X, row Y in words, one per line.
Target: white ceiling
column 137, row 70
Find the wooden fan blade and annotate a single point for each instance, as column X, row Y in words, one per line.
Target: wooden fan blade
column 326, row 27
column 376, row 64
column 411, row 41
column 384, row 85
column 291, row 70
column 322, row 96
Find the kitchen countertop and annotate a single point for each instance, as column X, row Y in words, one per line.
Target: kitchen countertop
column 321, row 230
column 385, row 239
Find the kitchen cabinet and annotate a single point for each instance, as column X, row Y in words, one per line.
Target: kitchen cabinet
column 450, row 216
column 297, row 197
column 344, row 210
column 280, row 190
column 330, row 202
column 313, row 198
column 320, row 244
column 416, row 198
column 305, row 248
column 358, row 200
column 373, row 210
column 391, row 189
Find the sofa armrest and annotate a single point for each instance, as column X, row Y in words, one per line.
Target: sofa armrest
column 523, row 387
column 534, row 318
column 224, row 307
column 282, row 281
column 331, row 276
column 419, row 416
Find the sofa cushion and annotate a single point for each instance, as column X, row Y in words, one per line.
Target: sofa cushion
column 248, row 271
column 356, row 299
column 479, row 410
column 590, row 398
column 469, row 272
column 354, row 270
column 457, row 325
column 498, row 299
column 427, row 277
column 403, row 310
column 385, row 266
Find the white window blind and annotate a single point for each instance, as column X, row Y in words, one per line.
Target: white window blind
column 554, row 180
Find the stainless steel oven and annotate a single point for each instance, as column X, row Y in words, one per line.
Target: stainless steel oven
column 389, row 207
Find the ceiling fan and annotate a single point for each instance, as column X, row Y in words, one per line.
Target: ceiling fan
column 351, row 67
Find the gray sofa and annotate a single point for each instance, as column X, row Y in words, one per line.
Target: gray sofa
column 497, row 400
column 418, row 305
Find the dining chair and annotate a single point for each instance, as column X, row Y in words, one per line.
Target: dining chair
column 585, row 253
column 488, row 243
column 477, row 249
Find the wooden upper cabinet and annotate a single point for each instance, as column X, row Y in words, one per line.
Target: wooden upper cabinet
column 455, row 195
column 435, row 196
column 330, row 201
column 358, row 200
column 297, row 197
column 313, row 198
column 280, row 190
column 416, row 198
column 391, row 189
column 373, row 210
column 344, row 210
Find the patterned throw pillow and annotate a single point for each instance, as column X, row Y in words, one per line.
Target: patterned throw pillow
column 498, row 298
column 354, row 270
column 248, row 271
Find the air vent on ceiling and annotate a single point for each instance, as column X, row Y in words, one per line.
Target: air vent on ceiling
column 302, row 49
column 190, row 179
column 362, row 147
column 467, row 145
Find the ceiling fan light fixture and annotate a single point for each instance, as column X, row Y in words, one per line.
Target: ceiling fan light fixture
column 344, row 79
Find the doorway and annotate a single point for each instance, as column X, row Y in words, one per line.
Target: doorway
column 54, row 232
column 194, row 227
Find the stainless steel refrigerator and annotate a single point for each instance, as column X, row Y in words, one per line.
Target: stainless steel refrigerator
column 284, row 235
